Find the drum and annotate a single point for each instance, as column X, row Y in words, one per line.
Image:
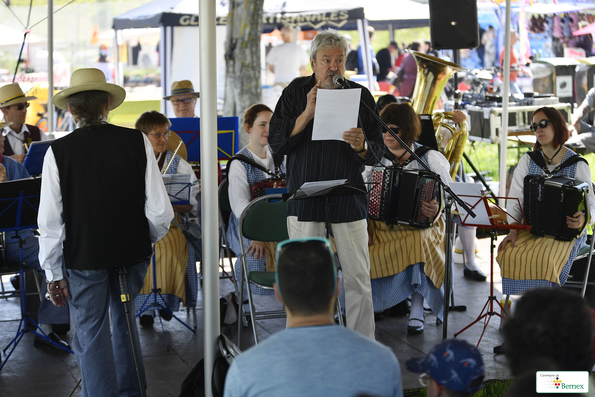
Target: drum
column 548, row 201
column 397, row 195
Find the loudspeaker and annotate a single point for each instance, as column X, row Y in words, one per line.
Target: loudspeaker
column 453, row 24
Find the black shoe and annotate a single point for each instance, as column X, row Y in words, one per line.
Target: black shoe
column 60, row 328
column 41, row 342
column 415, row 330
column 498, row 350
column 16, row 282
column 165, row 315
column 399, row 310
column 475, row 275
column 378, row 316
column 146, row 320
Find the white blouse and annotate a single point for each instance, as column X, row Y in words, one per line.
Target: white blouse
column 582, row 174
column 239, row 188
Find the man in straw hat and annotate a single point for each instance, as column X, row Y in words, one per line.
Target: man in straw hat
column 100, row 210
column 183, row 98
column 14, row 104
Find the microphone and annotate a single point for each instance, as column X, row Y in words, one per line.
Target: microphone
column 340, row 81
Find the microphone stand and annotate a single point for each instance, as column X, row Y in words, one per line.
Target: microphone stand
column 449, row 197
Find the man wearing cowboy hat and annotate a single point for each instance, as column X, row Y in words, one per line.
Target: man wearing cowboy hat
column 14, row 104
column 183, row 98
column 100, row 210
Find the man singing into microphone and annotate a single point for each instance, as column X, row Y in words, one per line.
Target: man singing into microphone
column 290, row 133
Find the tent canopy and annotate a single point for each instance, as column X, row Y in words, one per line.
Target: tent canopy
column 308, row 14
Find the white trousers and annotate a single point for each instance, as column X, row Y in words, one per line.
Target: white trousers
column 351, row 240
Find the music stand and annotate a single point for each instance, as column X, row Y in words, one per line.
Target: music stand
column 19, row 201
column 323, row 190
column 157, row 305
column 487, row 218
column 34, row 160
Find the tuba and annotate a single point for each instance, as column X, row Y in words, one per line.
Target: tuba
column 432, row 75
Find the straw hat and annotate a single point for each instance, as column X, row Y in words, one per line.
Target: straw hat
column 90, row 79
column 2, row 125
column 182, row 87
column 11, row 94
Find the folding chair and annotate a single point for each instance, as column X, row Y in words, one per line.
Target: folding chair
column 583, row 259
column 262, row 220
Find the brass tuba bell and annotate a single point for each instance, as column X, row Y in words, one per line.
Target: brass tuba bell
column 432, row 75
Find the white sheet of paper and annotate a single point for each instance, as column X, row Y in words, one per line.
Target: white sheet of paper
column 464, row 190
column 336, row 112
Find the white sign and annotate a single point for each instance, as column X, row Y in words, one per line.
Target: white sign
column 562, row 382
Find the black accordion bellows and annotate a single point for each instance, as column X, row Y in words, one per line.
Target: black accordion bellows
column 548, row 201
column 397, row 194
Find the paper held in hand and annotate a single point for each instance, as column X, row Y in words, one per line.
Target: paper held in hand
column 336, row 112
column 178, row 188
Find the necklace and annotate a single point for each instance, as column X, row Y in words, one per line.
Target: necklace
column 549, row 160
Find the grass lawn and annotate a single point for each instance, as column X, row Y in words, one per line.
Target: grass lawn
column 485, row 157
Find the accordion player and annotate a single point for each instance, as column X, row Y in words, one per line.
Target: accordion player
column 407, row 261
column 544, row 258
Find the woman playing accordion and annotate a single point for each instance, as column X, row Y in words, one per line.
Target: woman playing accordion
column 242, row 177
column 528, row 261
column 408, row 261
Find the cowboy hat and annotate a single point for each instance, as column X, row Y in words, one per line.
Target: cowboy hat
column 11, row 94
column 90, row 79
column 182, row 87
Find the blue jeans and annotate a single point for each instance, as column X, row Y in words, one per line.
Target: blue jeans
column 106, row 362
column 48, row 313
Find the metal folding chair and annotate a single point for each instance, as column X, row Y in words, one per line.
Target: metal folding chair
column 264, row 219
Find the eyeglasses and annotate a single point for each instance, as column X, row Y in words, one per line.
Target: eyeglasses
column 542, row 124
column 166, row 134
column 21, row 106
column 177, row 102
column 424, row 379
column 296, row 241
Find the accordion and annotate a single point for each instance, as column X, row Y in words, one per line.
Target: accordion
column 397, row 194
column 548, row 201
column 259, row 188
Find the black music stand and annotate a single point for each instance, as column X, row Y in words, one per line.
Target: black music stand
column 19, row 201
column 323, row 190
column 157, row 305
column 480, row 203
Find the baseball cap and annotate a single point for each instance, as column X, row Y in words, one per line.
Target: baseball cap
column 454, row 364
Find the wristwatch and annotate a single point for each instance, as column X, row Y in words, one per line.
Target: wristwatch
column 364, row 149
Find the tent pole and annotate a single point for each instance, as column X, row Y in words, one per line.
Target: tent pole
column 162, row 63
column 209, row 175
column 505, row 93
column 50, row 106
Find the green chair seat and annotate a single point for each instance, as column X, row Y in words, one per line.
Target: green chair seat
column 263, row 279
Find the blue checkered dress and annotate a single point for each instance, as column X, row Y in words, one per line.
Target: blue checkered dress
column 254, row 175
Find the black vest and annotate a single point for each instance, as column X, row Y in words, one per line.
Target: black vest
column 102, row 181
column 34, row 135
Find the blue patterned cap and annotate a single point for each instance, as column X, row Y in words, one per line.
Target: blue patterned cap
column 454, row 364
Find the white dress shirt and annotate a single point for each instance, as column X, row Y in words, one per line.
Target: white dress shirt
column 16, row 139
column 52, row 229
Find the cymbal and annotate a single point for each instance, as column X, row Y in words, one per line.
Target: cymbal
column 172, row 144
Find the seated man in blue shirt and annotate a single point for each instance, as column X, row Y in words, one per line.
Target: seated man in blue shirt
column 49, row 317
column 313, row 356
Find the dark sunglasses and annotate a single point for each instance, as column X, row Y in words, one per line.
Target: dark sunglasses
column 20, row 106
column 542, row 124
